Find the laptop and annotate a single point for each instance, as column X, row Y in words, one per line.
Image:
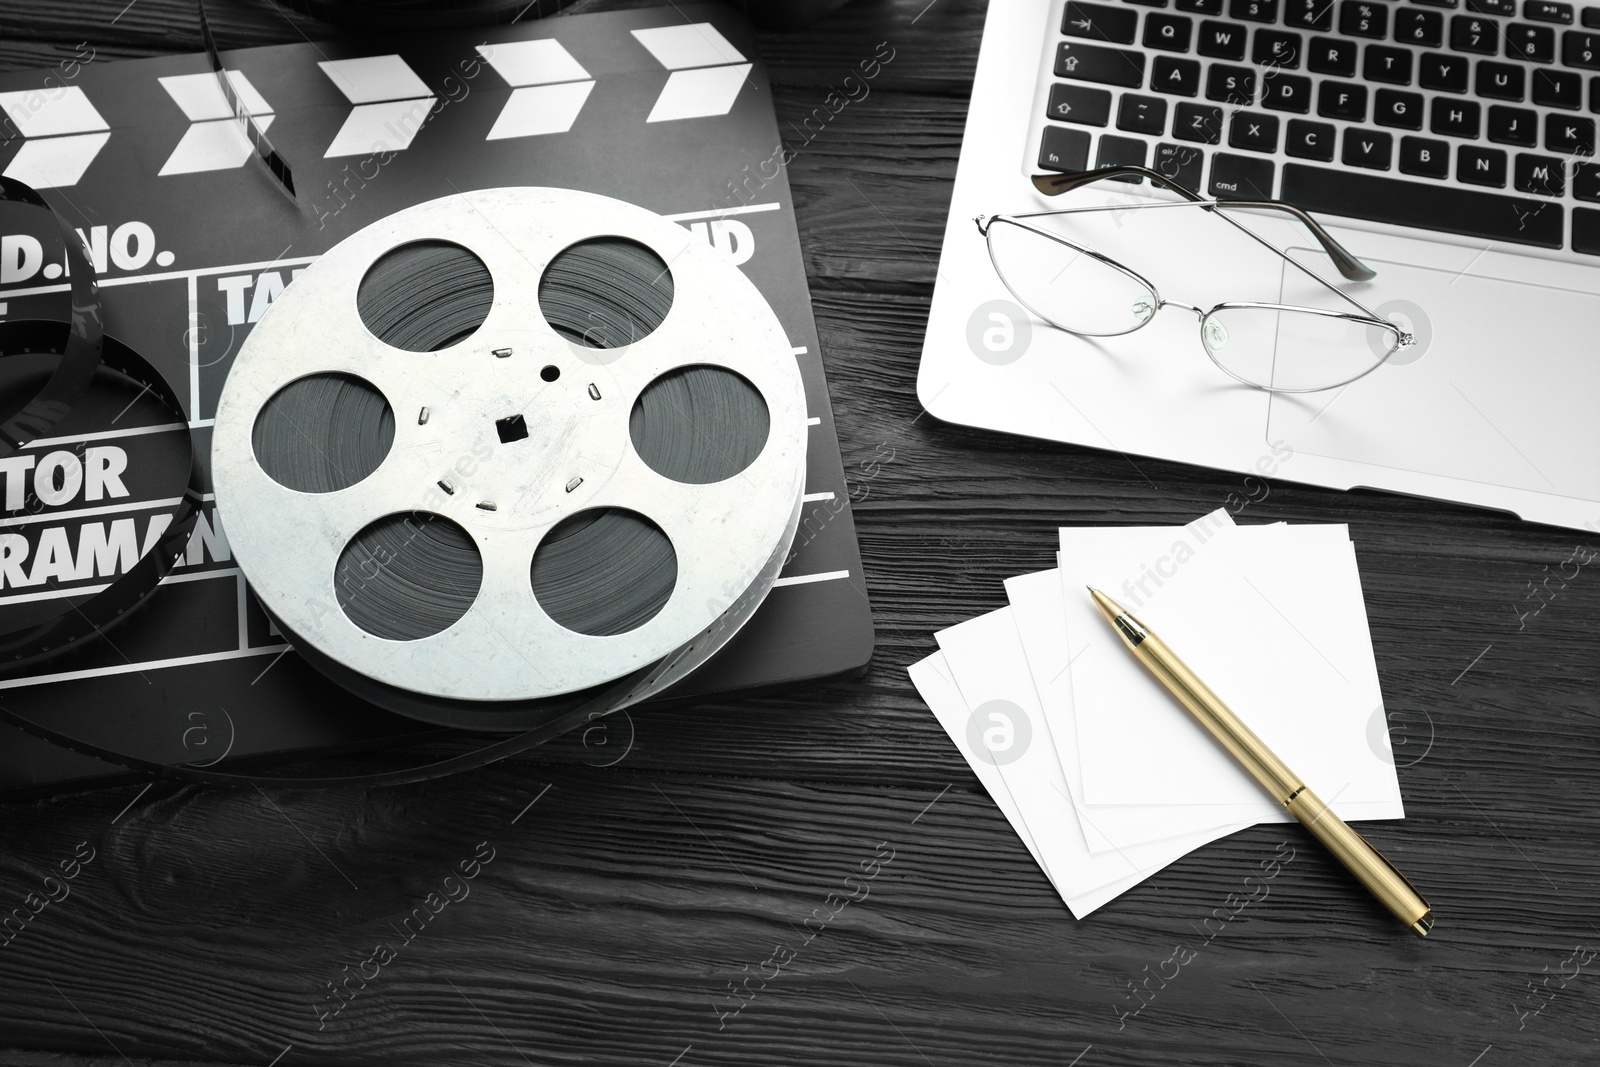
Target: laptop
column 1446, row 143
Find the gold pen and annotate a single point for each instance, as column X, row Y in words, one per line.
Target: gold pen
column 1348, row 847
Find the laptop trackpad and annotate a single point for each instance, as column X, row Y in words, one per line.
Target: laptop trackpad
column 1502, row 386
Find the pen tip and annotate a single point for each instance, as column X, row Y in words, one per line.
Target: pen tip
column 1110, row 608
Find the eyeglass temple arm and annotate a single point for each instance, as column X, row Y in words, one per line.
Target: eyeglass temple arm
column 1349, row 266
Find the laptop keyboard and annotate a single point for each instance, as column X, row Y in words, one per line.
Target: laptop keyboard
column 1464, row 116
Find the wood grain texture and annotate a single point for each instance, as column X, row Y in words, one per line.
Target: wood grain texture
column 622, row 903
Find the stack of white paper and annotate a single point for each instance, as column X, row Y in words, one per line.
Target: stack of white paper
column 1100, row 771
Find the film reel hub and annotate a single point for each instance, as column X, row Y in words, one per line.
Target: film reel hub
column 496, row 446
column 568, row 510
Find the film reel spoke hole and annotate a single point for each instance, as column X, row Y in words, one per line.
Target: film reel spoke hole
column 605, row 293
column 604, row 571
column 699, row 424
column 425, row 295
column 512, row 428
column 323, row 433
column 406, row 577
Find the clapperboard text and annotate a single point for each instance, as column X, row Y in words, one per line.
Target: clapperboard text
column 70, row 518
column 127, row 246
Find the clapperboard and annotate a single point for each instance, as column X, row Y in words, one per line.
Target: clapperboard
column 668, row 108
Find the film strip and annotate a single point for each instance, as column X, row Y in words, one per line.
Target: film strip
column 247, row 124
column 80, row 351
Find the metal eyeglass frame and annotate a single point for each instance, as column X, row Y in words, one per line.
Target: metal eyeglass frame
column 1347, row 264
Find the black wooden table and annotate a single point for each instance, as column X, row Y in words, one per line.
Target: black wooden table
column 651, row 909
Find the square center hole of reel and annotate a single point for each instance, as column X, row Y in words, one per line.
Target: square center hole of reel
column 512, row 428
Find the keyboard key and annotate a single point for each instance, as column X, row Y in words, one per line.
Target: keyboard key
column 1547, row 11
column 1586, row 231
column 1493, row 7
column 1424, row 157
column 1367, row 148
column 1142, row 114
column 1481, row 166
column 1590, row 17
column 1439, row 3
column 1287, row 92
column 1594, row 94
column 1310, row 140
column 1441, row 72
column 1099, row 22
column 1170, row 33
column 1221, row 40
column 1539, row 174
column 1586, row 182
column 1253, row 10
column 1180, row 77
column 1341, row 100
column 1513, row 125
column 1468, row 34
column 1558, row 88
column 1091, row 63
column 1121, row 152
column 1309, row 14
column 1580, row 49
column 1240, row 177
column 1425, row 28
column 1455, row 118
column 1197, row 122
column 1536, row 44
column 1499, row 81
column 1231, row 85
column 1573, row 137
column 1275, row 49
column 1147, row 3
column 1257, row 132
column 1364, row 18
column 1080, row 104
column 1064, row 149
column 1401, row 110
column 1329, row 55
column 1448, row 208
column 1179, row 162
column 1206, row 7
column 1392, row 66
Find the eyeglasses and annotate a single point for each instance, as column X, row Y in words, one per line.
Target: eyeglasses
column 1287, row 348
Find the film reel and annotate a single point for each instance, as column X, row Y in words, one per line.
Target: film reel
column 510, row 458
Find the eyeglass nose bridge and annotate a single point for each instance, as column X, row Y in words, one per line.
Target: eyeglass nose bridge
column 1147, row 309
column 1199, row 312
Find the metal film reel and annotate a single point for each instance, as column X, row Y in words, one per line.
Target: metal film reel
column 504, row 442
